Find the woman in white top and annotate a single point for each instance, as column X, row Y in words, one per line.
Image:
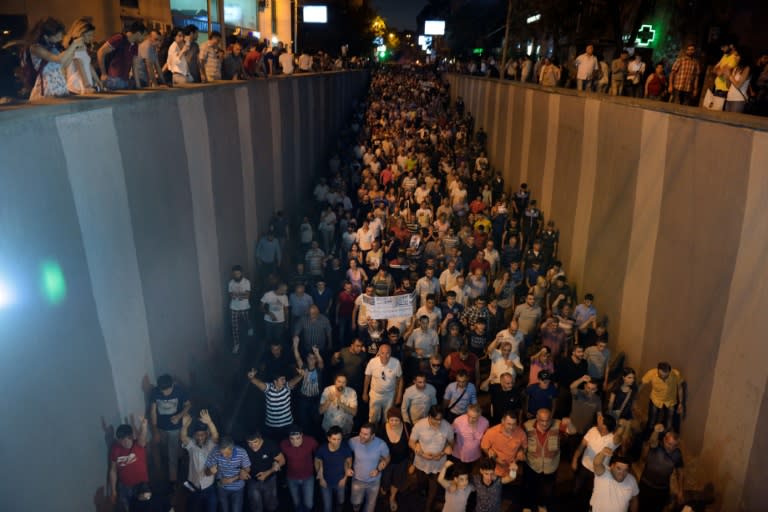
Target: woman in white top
column 736, row 99
column 48, row 60
column 82, row 78
column 177, row 61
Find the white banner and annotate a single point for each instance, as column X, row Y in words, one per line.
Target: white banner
column 391, row 306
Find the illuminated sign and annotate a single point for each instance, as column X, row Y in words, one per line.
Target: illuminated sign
column 533, row 19
column 645, row 36
column 434, row 27
column 315, row 14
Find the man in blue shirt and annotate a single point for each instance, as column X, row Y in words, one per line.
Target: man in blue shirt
column 333, row 464
column 585, row 316
column 371, row 457
column 168, row 405
column 541, row 395
column 230, row 464
column 459, row 395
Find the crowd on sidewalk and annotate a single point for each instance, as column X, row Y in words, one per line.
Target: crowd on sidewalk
column 56, row 61
column 737, row 82
column 498, row 379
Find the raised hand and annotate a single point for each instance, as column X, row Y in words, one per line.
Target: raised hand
column 205, row 417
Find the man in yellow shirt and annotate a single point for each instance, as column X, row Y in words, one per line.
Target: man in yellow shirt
column 666, row 403
column 728, row 62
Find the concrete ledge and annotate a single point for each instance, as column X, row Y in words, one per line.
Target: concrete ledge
column 74, row 104
column 699, row 113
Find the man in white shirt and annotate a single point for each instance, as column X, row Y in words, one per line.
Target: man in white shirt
column 286, row 61
column 383, row 385
column 616, row 489
column 338, row 405
column 603, row 435
column 239, row 307
column 275, row 305
column 204, row 439
column 448, row 277
column 587, row 68
column 305, row 62
column 418, row 399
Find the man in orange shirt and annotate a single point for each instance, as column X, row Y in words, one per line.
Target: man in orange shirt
column 505, row 443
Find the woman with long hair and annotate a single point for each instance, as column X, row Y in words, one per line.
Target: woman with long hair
column 82, row 77
column 622, row 395
column 736, row 99
column 48, row 60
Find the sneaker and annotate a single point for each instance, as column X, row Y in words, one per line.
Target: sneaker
column 236, row 349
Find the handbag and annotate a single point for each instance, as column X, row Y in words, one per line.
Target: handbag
column 713, row 102
column 616, row 413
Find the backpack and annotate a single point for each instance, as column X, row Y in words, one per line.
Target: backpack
column 28, row 71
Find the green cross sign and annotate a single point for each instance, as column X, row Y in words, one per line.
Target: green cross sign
column 645, row 36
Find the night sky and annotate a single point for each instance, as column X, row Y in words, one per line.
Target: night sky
column 400, row 14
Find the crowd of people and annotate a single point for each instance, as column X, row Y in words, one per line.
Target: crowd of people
column 737, row 78
column 57, row 61
column 496, row 379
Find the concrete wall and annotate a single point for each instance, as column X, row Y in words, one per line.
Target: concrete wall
column 144, row 201
column 661, row 213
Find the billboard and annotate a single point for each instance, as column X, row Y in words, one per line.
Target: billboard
column 434, row 27
column 315, row 14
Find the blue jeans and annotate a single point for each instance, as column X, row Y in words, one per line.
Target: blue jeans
column 203, row 501
column 230, row 500
column 583, row 85
column 262, row 494
column 302, row 494
column 331, row 492
column 115, row 82
column 364, row 491
column 124, row 496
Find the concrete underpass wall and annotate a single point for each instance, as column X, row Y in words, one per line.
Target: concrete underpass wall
column 662, row 217
column 143, row 201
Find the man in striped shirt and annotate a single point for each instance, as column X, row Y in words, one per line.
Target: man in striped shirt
column 277, row 398
column 230, row 465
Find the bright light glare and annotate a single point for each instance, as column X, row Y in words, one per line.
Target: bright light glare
column 6, row 294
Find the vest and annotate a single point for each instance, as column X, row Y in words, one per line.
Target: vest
column 543, row 458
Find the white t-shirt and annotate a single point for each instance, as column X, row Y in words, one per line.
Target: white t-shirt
column 243, row 286
column 500, row 366
column 362, row 310
column 275, row 304
column 365, row 238
column 286, row 62
column 383, row 377
column 74, row 83
column 586, row 65
column 612, row 496
column 595, row 444
column 197, row 457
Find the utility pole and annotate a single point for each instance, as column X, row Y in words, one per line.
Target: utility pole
column 295, row 27
column 505, row 46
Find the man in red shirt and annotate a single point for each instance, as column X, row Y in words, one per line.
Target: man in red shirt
column 345, row 306
column 127, row 463
column 123, row 49
column 299, row 451
column 252, row 63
